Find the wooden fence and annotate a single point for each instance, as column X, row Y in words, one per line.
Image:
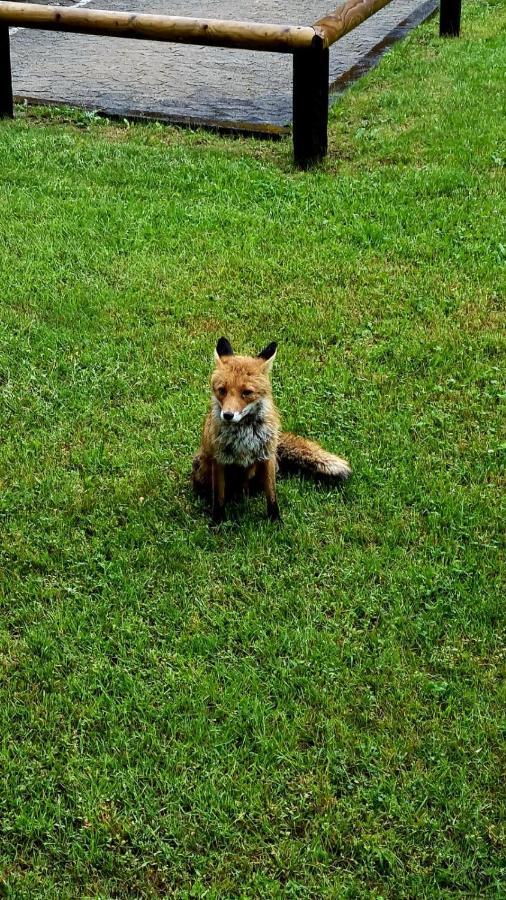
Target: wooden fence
column 309, row 46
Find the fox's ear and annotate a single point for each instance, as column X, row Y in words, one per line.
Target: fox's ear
column 269, row 355
column 223, row 348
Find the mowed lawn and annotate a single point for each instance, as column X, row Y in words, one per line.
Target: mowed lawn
column 306, row 712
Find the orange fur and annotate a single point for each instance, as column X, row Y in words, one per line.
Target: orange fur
column 242, row 445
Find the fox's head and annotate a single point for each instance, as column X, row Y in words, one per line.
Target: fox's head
column 240, row 384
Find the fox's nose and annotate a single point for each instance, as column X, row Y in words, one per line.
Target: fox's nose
column 228, row 416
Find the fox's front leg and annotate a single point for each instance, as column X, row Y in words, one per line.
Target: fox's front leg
column 269, row 480
column 218, row 492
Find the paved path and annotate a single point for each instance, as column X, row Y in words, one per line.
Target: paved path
column 186, row 83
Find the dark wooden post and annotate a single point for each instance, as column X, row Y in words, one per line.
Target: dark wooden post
column 6, row 101
column 449, row 18
column 310, row 105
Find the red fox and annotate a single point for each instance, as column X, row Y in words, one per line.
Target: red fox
column 242, row 444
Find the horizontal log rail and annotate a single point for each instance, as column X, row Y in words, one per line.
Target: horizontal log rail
column 309, row 46
column 173, row 29
column 345, row 18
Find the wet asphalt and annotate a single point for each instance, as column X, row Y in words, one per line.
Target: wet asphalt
column 208, row 85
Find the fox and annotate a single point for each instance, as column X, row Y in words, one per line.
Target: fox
column 242, row 447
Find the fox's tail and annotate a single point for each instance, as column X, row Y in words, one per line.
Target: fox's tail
column 300, row 455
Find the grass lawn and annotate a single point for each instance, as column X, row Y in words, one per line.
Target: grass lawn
column 306, row 712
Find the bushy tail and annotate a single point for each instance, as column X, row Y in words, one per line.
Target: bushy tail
column 300, row 455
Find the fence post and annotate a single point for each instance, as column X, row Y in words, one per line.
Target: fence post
column 449, row 18
column 310, row 105
column 6, row 101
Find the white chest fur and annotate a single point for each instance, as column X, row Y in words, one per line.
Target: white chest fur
column 244, row 443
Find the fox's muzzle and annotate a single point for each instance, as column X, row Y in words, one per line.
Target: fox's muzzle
column 234, row 417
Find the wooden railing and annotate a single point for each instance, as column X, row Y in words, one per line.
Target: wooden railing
column 309, row 46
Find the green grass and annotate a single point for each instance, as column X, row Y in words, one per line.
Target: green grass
column 312, row 712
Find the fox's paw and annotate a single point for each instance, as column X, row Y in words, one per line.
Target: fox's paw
column 217, row 515
column 273, row 513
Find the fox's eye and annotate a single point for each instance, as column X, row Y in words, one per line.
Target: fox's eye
column 247, row 393
column 221, row 392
